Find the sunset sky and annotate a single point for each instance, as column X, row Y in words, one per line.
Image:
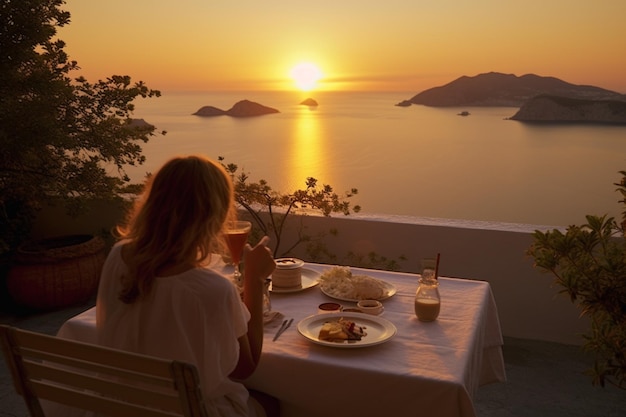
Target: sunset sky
column 391, row 45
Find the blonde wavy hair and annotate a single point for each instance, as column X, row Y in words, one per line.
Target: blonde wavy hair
column 179, row 220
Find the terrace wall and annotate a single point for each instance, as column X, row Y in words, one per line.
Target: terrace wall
column 528, row 304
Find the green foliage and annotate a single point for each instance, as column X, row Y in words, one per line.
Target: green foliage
column 374, row 261
column 270, row 209
column 317, row 251
column 621, row 188
column 589, row 263
column 62, row 138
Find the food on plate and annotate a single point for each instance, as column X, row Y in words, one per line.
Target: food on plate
column 341, row 330
column 339, row 282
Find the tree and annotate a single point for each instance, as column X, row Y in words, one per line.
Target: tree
column 270, row 209
column 61, row 137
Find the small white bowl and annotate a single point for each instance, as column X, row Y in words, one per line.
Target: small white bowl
column 373, row 307
column 289, row 263
column 288, row 273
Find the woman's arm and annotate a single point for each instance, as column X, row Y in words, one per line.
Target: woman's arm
column 259, row 265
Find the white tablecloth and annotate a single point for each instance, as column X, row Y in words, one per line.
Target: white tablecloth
column 426, row 369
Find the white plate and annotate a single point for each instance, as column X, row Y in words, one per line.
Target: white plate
column 310, row 279
column 388, row 291
column 378, row 329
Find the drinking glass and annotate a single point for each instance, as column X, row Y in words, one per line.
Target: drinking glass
column 236, row 237
column 267, row 302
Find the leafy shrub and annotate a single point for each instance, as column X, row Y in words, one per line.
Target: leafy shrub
column 589, row 263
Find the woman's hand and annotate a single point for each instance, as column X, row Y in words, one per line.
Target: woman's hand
column 259, row 263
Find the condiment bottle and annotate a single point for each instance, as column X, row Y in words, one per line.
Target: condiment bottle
column 427, row 299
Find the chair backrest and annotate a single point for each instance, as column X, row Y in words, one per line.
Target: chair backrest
column 98, row 379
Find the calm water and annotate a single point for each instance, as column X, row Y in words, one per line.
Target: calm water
column 416, row 161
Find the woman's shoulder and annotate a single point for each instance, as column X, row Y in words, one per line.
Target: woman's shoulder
column 203, row 273
column 116, row 249
column 115, row 257
column 198, row 279
column 197, row 288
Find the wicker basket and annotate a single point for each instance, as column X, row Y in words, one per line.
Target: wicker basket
column 56, row 272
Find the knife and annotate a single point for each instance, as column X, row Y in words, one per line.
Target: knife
column 283, row 327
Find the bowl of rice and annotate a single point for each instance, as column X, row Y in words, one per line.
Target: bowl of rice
column 339, row 282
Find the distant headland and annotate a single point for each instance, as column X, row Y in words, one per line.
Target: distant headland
column 546, row 99
column 547, row 108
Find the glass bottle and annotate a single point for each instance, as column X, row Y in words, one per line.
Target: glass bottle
column 427, row 299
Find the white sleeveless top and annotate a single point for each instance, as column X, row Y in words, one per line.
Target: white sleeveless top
column 195, row 317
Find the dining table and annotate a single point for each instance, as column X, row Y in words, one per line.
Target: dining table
column 406, row 368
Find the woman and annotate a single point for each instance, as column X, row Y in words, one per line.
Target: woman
column 157, row 297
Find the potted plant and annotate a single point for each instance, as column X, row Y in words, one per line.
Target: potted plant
column 589, row 264
column 56, row 272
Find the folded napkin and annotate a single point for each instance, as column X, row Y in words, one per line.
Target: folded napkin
column 273, row 319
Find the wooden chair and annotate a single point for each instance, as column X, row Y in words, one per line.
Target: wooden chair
column 99, row 379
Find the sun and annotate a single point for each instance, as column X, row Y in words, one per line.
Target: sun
column 306, row 75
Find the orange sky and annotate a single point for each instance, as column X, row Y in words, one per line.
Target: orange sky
column 391, row 45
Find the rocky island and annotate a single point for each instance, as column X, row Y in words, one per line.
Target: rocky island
column 139, row 123
column 309, row 102
column 243, row 108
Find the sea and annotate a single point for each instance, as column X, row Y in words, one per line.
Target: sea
column 409, row 164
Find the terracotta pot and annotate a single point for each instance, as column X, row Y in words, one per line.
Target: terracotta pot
column 56, row 272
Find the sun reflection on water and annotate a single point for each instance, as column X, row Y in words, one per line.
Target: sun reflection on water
column 308, row 148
